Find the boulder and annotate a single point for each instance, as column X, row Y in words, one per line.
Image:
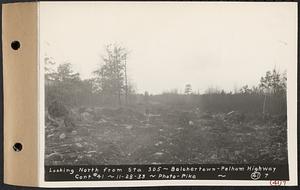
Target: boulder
column 87, row 117
column 62, row 136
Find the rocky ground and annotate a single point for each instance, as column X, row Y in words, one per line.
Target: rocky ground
column 98, row 135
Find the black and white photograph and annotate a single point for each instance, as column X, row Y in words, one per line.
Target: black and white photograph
column 172, row 84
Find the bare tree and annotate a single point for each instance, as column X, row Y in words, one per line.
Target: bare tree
column 111, row 78
column 273, row 83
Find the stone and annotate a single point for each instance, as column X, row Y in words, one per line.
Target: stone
column 62, row 136
column 128, row 126
column 79, row 145
column 85, row 116
column 158, row 153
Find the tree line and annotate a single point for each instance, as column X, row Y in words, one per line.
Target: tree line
column 110, row 86
column 109, row 82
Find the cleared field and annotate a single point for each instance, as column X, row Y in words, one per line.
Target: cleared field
column 99, row 135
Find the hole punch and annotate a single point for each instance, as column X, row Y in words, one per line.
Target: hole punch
column 15, row 45
column 17, row 147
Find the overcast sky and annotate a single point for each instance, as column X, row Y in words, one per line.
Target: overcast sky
column 223, row 45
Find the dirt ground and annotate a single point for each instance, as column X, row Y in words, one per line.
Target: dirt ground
column 100, row 136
